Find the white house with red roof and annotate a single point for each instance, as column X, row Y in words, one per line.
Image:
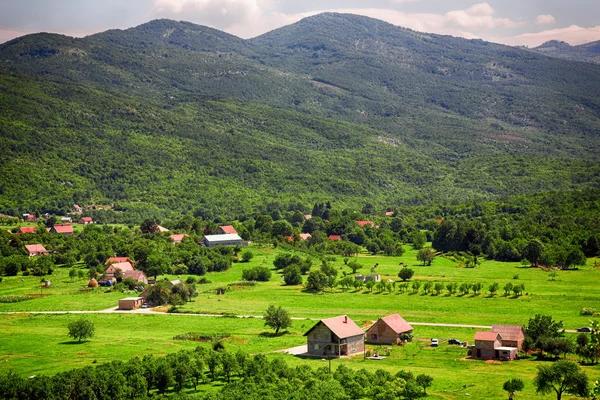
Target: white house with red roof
column 335, row 337
column 138, row 276
column 226, row 230
column 388, row 330
column 36, row 250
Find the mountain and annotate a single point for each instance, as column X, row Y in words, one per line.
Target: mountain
column 588, row 52
column 172, row 117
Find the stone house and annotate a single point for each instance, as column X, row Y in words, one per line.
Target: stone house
column 387, row 330
column 335, row 337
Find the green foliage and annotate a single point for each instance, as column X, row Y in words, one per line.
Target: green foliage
column 512, row 386
column 561, row 377
column 258, row 273
column 81, row 329
column 405, row 274
column 292, row 275
column 426, row 255
column 277, row 318
column 247, row 255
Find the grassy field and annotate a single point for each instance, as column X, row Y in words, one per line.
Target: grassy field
column 36, row 344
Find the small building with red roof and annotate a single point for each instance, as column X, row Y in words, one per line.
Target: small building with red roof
column 36, row 250
column 112, row 260
column 30, row 218
column 488, row 346
column 335, row 337
column 123, row 266
column 27, row 229
column 389, row 214
column 63, row 229
column 86, row 220
column 365, row 223
column 335, row 237
column 387, row 330
column 226, row 230
column 178, row 237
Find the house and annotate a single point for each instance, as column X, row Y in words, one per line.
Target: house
column 512, row 335
column 77, row 208
column 86, row 220
column 112, row 260
column 226, row 230
column 337, row 336
column 302, row 236
column 63, row 229
column 36, row 250
column 66, row 220
column 30, row 217
column 387, row 330
column 138, row 276
column 131, row 303
column 389, row 214
column 178, row 238
column 366, row 223
column 222, row 240
column 161, row 229
column 488, row 346
column 27, row 229
column 307, row 216
column 335, row 237
column 123, row 266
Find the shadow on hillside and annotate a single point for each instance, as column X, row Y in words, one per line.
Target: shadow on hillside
column 272, row 334
column 74, row 342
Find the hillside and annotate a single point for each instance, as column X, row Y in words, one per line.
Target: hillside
column 588, row 52
column 172, row 117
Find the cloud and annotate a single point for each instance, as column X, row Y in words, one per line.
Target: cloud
column 573, row 35
column 545, row 19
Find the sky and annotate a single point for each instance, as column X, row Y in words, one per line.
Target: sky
column 513, row 22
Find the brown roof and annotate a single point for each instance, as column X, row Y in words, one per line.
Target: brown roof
column 63, row 228
column 136, row 275
column 487, row 336
column 228, row 229
column 335, row 237
column 397, row 323
column 35, row 248
column 342, row 326
column 509, row 332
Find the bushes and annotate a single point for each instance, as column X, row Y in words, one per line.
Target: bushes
column 292, row 275
column 13, row 299
column 262, row 274
column 587, row 311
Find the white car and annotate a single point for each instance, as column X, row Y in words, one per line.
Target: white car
column 434, row 343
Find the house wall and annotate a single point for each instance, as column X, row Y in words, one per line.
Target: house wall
column 356, row 344
column 318, row 339
column 484, row 349
column 130, row 304
column 381, row 333
column 223, row 243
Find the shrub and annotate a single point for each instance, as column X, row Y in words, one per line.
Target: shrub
column 13, row 299
column 292, row 275
column 587, row 311
column 247, row 255
column 259, row 273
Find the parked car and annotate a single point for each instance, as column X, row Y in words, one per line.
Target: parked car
column 584, row 329
column 455, row 341
column 434, row 343
column 145, row 305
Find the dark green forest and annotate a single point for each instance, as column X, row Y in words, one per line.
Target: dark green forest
column 172, row 118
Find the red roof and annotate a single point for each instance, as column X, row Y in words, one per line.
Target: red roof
column 31, row 217
column 397, row 323
column 335, row 237
column 363, row 223
column 487, row 336
column 112, row 260
column 389, row 213
column 342, row 326
column 178, row 238
column 27, row 229
column 228, row 229
column 63, row 228
column 304, row 236
column 439, row 220
column 35, row 248
column 123, row 266
column 86, row 219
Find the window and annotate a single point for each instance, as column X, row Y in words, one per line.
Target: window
column 374, row 336
column 353, row 347
column 316, row 347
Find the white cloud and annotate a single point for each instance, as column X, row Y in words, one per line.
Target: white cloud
column 573, row 35
column 545, row 19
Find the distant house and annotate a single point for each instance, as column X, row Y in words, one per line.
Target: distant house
column 86, row 220
column 161, row 229
column 36, row 250
column 488, row 346
column 27, row 229
column 123, row 266
column 387, row 330
column 66, row 220
column 365, row 223
column 226, row 230
column 138, row 276
column 178, row 238
column 389, row 214
column 63, row 229
column 302, row 236
column 335, row 237
column 77, row 208
column 30, row 217
column 307, row 216
column 512, row 335
column 222, row 240
column 131, row 303
column 338, row 336
column 112, row 260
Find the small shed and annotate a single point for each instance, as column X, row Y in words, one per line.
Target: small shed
column 222, row 240
column 131, row 303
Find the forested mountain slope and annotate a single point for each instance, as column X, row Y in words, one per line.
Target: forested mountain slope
column 172, row 117
column 588, row 52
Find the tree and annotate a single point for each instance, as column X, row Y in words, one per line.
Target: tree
column 149, row 225
column 354, row 266
column 533, row 252
column 418, row 240
column 277, row 318
column 424, row 381
column 512, row 386
column 157, row 264
column 493, row 288
column 72, row 273
column 316, row 281
column 81, row 329
column 247, row 255
column 561, row 377
column 426, row 255
column 539, row 329
column 405, row 274
column 291, row 275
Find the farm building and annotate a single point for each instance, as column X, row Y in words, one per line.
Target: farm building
column 63, row 229
column 488, row 346
column 226, row 230
column 335, row 237
column 112, row 260
column 512, row 335
column 27, row 229
column 222, row 240
column 123, row 266
column 387, row 330
column 337, row 336
column 86, row 220
column 36, row 250
column 138, row 276
column 131, row 303
column 178, row 238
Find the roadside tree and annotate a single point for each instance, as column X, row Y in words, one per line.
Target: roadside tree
column 277, row 318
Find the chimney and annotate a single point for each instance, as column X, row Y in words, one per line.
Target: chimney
column 345, row 319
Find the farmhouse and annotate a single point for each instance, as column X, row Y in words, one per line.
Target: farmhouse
column 138, row 276
column 226, row 230
column 36, row 250
column 161, row 229
column 27, row 229
column 131, row 303
column 63, row 229
column 77, row 208
column 222, row 240
column 366, row 223
column 178, row 238
column 302, row 236
column 123, row 266
column 488, row 345
column 30, row 217
column 389, row 214
column 335, row 237
column 512, row 335
column 112, row 260
column 388, row 330
column 337, row 336
column 86, row 220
